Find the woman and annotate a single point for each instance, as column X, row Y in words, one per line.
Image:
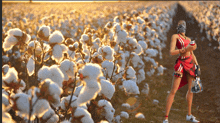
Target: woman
column 184, row 68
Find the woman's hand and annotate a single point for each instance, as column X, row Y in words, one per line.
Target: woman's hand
column 183, row 50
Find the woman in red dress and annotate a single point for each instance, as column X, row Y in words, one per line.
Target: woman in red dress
column 184, row 69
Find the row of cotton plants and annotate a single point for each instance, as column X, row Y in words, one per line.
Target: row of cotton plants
column 77, row 79
column 207, row 14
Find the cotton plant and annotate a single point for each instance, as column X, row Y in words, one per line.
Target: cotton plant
column 107, row 110
column 107, row 89
column 55, row 40
column 54, row 73
column 89, row 75
column 140, row 75
column 11, row 81
column 81, row 115
column 15, row 37
column 130, row 87
column 139, row 116
column 107, row 53
column 136, row 61
column 6, row 117
column 50, row 116
column 130, row 74
column 50, row 91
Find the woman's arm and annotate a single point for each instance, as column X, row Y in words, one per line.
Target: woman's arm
column 190, row 48
column 173, row 45
column 194, row 58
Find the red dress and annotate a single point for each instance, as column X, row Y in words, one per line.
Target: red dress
column 183, row 63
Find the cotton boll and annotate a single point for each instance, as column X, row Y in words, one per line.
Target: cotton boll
column 41, row 107
column 5, row 68
column 91, row 72
column 138, row 49
column 116, row 28
column 107, row 89
column 21, row 104
column 77, row 90
column 5, row 99
column 57, row 54
column 124, row 114
column 121, row 36
column 15, row 32
column 44, row 32
column 108, row 66
column 107, row 52
column 9, row 42
column 65, row 102
column 132, row 42
column 140, row 20
column 51, row 91
column 135, row 59
column 64, row 48
column 146, row 89
column 31, row 66
column 6, row 117
column 56, row 75
column 151, row 72
column 5, row 59
column 50, row 117
column 86, row 116
column 130, row 87
column 84, row 39
column 109, row 110
column 140, row 76
column 139, row 116
column 161, row 70
column 126, row 105
column 157, row 42
column 88, row 93
column 11, row 76
column 66, row 121
column 118, row 119
column 130, row 74
column 44, row 72
column 143, row 45
column 151, row 52
column 56, row 37
column 104, row 121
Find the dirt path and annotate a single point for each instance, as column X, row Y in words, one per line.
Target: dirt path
column 207, row 103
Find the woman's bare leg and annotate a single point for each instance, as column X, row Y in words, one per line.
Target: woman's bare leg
column 189, row 95
column 170, row 97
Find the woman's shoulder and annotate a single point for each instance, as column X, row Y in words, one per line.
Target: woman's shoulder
column 175, row 35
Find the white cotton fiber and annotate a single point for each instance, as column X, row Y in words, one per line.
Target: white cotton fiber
column 5, row 99
column 146, row 89
column 107, row 88
column 84, row 38
column 143, row 45
column 124, row 114
column 139, row 116
column 56, row 37
column 138, row 50
column 121, row 36
column 93, row 71
column 126, row 105
column 51, row 116
column 151, row 52
column 9, row 42
column 31, row 66
column 15, row 32
column 56, row 75
column 5, row 68
column 57, row 54
column 109, row 110
column 77, row 90
column 161, row 70
column 108, row 66
column 130, row 73
column 44, row 72
column 140, row 76
column 130, row 87
column 65, row 102
column 11, row 76
column 86, row 115
column 41, row 107
column 88, row 93
column 45, row 30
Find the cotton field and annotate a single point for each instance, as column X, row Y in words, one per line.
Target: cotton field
column 66, row 65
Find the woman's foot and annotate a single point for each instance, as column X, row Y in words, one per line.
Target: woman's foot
column 191, row 118
column 165, row 121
